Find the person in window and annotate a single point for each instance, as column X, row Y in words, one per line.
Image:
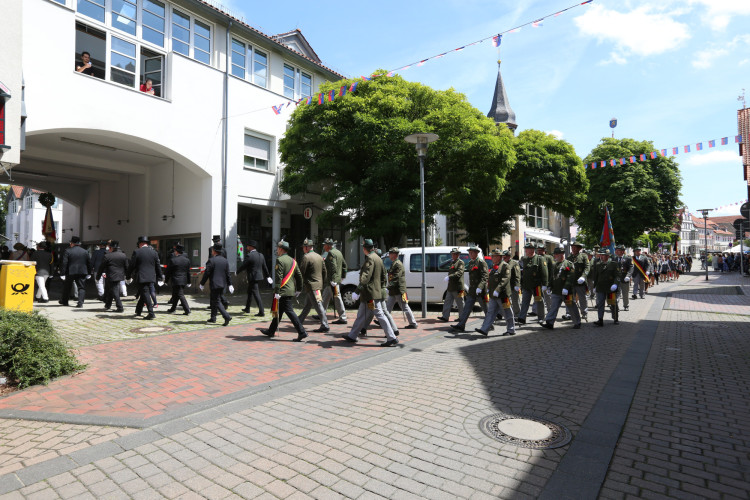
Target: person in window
column 148, row 87
column 85, row 65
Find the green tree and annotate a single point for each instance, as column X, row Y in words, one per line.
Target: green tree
column 643, row 196
column 351, row 154
column 3, row 206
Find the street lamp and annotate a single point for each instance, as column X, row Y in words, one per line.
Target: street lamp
column 705, row 211
column 421, row 141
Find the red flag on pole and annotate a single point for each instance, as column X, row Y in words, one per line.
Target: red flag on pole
column 48, row 227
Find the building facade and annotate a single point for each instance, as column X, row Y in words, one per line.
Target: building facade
column 11, row 86
column 23, row 223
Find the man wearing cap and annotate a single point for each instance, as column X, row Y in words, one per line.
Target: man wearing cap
column 515, row 281
column 498, row 285
column 397, row 288
column 625, row 264
column 313, row 269
column 582, row 266
column 561, row 285
column 336, row 270
column 455, row 291
column 257, row 271
column 217, row 270
column 606, row 276
column 287, row 285
column 113, row 269
column 594, row 258
column 541, row 250
column 145, row 270
column 216, row 239
column 96, row 261
column 76, row 265
column 178, row 275
column 534, row 279
column 477, row 288
column 372, row 281
column 641, row 272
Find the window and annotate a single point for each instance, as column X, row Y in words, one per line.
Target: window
column 122, row 61
column 28, row 202
column 537, row 217
column 257, row 152
column 94, row 42
column 124, row 15
column 180, row 33
column 238, row 58
column 260, row 68
column 296, row 83
column 152, row 64
column 289, row 81
column 92, row 8
column 202, row 42
column 154, row 22
column 181, row 27
column 249, row 63
column 13, row 207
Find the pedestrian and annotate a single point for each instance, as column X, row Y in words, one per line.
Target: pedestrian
column 561, row 284
column 515, row 281
column 478, row 274
column 397, row 288
column 20, row 252
column 641, row 273
column 314, row 274
column 582, row 266
column 112, row 271
column 606, row 276
column 76, row 265
column 455, row 291
column 336, row 270
column 534, row 279
column 145, row 270
column 625, row 265
column 372, row 281
column 96, row 261
column 217, row 271
column 593, row 258
column 287, row 285
column 498, row 285
column 257, row 271
column 43, row 261
column 541, row 250
column 216, row 239
column 178, row 276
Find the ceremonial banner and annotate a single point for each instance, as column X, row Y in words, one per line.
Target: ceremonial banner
column 608, row 235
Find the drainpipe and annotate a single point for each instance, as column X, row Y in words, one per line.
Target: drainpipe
column 225, row 159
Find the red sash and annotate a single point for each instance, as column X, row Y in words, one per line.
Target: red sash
column 275, row 301
column 537, row 294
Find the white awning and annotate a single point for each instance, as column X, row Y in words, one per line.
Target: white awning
column 541, row 236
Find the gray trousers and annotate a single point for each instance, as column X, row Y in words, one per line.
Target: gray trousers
column 494, row 307
column 555, row 302
column 639, row 284
column 528, row 295
column 450, row 298
column 583, row 300
column 469, row 306
column 365, row 315
column 514, row 303
column 388, row 316
column 338, row 302
column 601, row 301
column 312, row 302
column 624, row 291
column 398, row 299
column 547, row 302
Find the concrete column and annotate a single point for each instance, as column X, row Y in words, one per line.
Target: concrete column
column 275, row 233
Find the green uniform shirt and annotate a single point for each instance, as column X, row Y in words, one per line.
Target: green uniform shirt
column 499, row 280
column 550, row 261
column 313, row 270
column 563, row 276
column 477, row 276
column 372, row 278
column 283, row 265
column 625, row 263
column 581, row 264
column 335, row 265
column 515, row 273
column 396, row 278
column 456, row 275
column 534, row 272
column 604, row 275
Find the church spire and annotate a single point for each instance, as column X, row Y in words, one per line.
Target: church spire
column 501, row 111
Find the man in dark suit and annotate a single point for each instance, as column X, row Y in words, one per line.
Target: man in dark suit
column 255, row 265
column 178, row 274
column 113, row 268
column 217, row 270
column 76, row 265
column 145, row 269
column 217, row 241
column 96, row 261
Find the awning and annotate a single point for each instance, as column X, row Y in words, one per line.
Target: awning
column 542, row 236
column 4, row 91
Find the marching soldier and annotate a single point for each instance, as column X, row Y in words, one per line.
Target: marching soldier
column 593, row 258
column 625, row 263
column 336, row 270
column 641, row 273
column 178, row 275
column 477, row 288
column 397, row 288
column 498, row 284
column 562, row 283
column 534, row 279
column 287, row 282
column 606, row 276
column 580, row 261
column 217, row 271
column 314, row 273
column 515, row 281
column 541, row 250
column 455, row 291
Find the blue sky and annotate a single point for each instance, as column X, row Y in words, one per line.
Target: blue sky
column 670, row 71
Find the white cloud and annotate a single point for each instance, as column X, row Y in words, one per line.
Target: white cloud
column 643, row 31
column 720, row 12
column 556, row 133
column 709, row 158
column 705, row 58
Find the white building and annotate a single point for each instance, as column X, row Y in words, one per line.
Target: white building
column 11, row 85
column 689, row 242
column 198, row 158
column 23, row 223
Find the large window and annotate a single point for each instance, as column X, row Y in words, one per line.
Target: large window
column 123, row 64
column 249, row 63
column 154, row 22
column 257, row 152
column 297, row 83
column 28, row 202
column 183, row 27
column 124, row 15
column 537, row 217
column 92, row 8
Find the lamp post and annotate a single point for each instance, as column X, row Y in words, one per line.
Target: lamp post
column 704, row 212
column 421, row 141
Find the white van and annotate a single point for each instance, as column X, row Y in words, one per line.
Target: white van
column 438, row 262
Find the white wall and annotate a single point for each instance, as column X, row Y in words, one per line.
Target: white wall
column 11, row 76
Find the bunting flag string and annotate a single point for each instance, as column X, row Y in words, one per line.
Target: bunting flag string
column 728, row 206
column 661, row 152
column 496, row 39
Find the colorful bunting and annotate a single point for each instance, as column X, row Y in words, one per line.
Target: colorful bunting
column 711, row 143
column 675, row 151
column 699, row 146
column 664, row 153
column 497, row 40
column 738, row 139
column 687, row 148
column 653, row 154
column 724, row 141
column 643, row 157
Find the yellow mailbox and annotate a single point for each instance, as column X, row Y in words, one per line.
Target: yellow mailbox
column 17, row 285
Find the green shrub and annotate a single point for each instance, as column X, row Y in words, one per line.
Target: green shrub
column 31, row 351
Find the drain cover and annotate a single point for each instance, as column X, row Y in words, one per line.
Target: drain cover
column 151, row 329
column 525, row 431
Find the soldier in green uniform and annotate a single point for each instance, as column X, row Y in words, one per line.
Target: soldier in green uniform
column 287, row 284
column 313, row 269
column 541, row 250
column 534, row 279
column 498, row 284
column 455, row 291
column 477, row 287
column 580, row 261
column 397, row 288
column 606, row 276
column 515, row 281
column 625, row 263
column 336, row 270
column 593, row 258
column 561, row 285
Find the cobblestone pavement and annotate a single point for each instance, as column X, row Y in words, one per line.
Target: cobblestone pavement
column 404, row 422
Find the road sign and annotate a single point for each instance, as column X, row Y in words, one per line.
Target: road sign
column 745, row 210
column 737, row 224
column 307, row 213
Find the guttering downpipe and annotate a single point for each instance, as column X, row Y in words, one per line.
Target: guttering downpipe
column 225, row 159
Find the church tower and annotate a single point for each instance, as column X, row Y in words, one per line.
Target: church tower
column 501, row 111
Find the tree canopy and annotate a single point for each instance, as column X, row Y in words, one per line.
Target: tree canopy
column 642, row 196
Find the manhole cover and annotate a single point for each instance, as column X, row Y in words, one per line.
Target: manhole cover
column 151, row 329
column 525, row 431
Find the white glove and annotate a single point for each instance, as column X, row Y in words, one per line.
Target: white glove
column 160, row 283
column 270, row 281
column 88, row 277
column 565, row 291
column 188, row 285
column 581, row 280
column 201, row 287
column 648, row 273
column 296, row 294
column 128, row 281
column 62, row 277
column 544, row 288
column 496, row 293
column 613, row 288
column 104, row 275
column 479, row 291
column 231, row 289
column 277, row 296
column 447, row 278
column 517, row 288
column 627, row 278
column 355, row 296
column 333, row 283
